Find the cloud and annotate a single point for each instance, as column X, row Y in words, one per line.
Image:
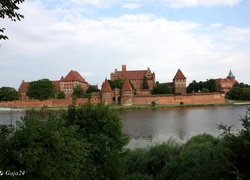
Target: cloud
column 131, row 5
column 45, row 45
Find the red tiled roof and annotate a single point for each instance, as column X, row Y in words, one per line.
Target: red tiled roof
column 106, row 87
column 126, row 86
column 132, row 75
column 179, row 75
column 73, row 76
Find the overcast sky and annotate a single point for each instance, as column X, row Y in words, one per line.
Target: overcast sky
column 204, row 38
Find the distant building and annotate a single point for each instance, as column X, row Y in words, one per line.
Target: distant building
column 225, row 84
column 135, row 77
column 65, row 84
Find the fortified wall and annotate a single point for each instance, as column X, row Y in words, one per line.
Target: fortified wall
column 194, row 98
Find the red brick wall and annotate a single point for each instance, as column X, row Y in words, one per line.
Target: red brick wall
column 37, row 103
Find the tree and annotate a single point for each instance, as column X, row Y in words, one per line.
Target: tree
column 161, row 89
column 116, row 84
column 84, row 142
column 8, row 94
column 42, row 89
column 145, row 83
column 78, row 92
column 198, row 86
column 60, row 95
column 9, row 9
column 92, row 89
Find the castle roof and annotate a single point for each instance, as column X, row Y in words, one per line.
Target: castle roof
column 106, row 87
column 73, row 76
column 179, row 75
column 132, row 75
column 230, row 75
column 126, row 86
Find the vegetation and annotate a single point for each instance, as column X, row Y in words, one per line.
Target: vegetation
column 240, row 91
column 60, row 95
column 92, row 89
column 202, row 157
column 78, row 92
column 116, row 84
column 145, row 83
column 42, row 89
column 84, row 142
column 8, row 94
column 9, row 9
column 206, row 86
column 161, row 89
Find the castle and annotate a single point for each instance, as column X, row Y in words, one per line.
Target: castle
column 133, row 91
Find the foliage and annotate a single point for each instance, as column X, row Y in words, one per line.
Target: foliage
column 145, row 83
column 85, row 142
column 204, row 90
column 92, row 89
column 202, row 157
column 198, row 86
column 8, row 94
column 241, row 85
column 78, row 92
column 42, row 89
column 60, row 95
column 116, row 84
column 238, row 93
column 102, row 129
column 9, row 9
column 153, row 104
column 161, row 89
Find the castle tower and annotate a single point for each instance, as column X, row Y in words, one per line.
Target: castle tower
column 107, row 92
column 127, row 93
column 179, row 82
column 230, row 75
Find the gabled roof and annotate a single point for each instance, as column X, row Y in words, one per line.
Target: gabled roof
column 179, row 75
column 132, row 75
column 106, row 87
column 126, row 86
column 73, row 76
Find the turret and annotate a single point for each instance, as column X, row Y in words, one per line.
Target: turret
column 127, row 93
column 179, row 82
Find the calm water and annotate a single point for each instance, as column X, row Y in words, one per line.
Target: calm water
column 149, row 127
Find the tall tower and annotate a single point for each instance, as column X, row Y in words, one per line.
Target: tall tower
column 230, row 75
column 127, row 93
column 107, row 93
column 179, row 82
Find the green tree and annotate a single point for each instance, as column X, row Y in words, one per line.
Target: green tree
column 102, row 129
column 78, row 92
column 161, row 89
column 84, row 142
column 8, row 94
column 204, row 90
column 116, row 84
column 42, row 89
column 145, row 83
column 60, row 95
column 92, row 89
column 9, row 8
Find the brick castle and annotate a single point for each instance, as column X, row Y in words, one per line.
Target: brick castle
column 128, row 96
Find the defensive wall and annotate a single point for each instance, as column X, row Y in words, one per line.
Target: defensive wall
column 38, row 103
column 194, row 98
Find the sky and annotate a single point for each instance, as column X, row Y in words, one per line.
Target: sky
column 203, row 38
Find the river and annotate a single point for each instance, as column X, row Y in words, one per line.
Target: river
column 147, row 127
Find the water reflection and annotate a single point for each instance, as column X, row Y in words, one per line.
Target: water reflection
column 147, row 126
